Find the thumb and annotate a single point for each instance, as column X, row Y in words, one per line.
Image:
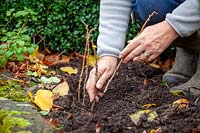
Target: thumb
column 103, row 79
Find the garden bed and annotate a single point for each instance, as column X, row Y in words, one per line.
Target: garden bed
column 133, row 86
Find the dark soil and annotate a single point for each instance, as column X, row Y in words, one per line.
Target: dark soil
column 126, row 95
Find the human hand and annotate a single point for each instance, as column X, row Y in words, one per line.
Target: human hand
column 150, row 43
column 106, row 67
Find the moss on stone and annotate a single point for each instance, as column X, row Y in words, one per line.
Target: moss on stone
column 12, row 90
column 9, row 120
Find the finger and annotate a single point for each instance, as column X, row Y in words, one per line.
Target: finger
column 152, row 57
column 90, row 85
column 136, row 52
column 102, row 80
column 97, row 99
column 100, row 94
column 138, row 59
column 131, row 46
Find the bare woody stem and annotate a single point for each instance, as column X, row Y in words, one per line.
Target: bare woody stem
column 82, row 69
column 87, row 64
column 84, row 65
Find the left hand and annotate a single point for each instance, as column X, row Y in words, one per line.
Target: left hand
column 150, row 43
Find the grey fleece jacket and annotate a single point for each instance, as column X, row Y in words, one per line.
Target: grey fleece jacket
column 115, row 15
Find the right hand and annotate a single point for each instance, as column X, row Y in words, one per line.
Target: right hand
column 106, row 67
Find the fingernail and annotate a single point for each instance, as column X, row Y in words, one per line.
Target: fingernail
column 99, row 85
column 120, row 56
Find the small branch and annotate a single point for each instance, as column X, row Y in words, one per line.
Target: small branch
column 86, row 69
column 148, row 19
column 11, row 78
column 8, row 22
column 106, row 87
column 22, row 27
column 82, row 70
column 37, row 32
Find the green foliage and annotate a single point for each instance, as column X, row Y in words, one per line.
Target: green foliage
column 9, row 121
column 14, row 40
column 12, row 90
column 59, row 21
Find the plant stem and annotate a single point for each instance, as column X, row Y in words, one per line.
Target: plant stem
column 25, row 23
column 106, row 87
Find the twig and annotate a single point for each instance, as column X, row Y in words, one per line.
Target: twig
column 106, row 87
column 87, row 64
column 148, row 19
column 84, row 64
column 8, row 22
column 82, row 70
column 25, row 23
column 11, row 78
column 73, row 104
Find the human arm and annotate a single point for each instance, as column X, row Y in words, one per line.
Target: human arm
column 114, row 18
column 183, row 21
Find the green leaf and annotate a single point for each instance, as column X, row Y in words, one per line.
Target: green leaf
column 3, row 62
column 30, row 73
column 26, row 37
column 20, row 42
column 20, row 13
column 20, row 57
column 30, row 50
column 8, row 53
column 44, row 113
column 18, row 50
column 50, row 80
column 8, row 13
column 4, row 39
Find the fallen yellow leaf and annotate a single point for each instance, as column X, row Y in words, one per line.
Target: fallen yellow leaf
column 149, row 105
column 151, row 116
column 69, row 70
column 40, row 69
column 92, row 60
column 154, row 65
column 181, row 103
column 36, row 57
column 61, row 89
column 177, row 93
column 43, row 99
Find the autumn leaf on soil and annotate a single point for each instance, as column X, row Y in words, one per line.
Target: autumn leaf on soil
column 69, row 70
column 159, row 130
column 91, row 60
column 36, row 57
column 181, row 103
column 177, row 93
column 40, row 69
column 154, row 65
column 50, row 80
column 43, row 99
column 150, row 114
column 149, row 105
column 64, row 59
column 61, row 89
column 51, row 60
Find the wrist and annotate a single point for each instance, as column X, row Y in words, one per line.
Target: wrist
column 170, row 30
